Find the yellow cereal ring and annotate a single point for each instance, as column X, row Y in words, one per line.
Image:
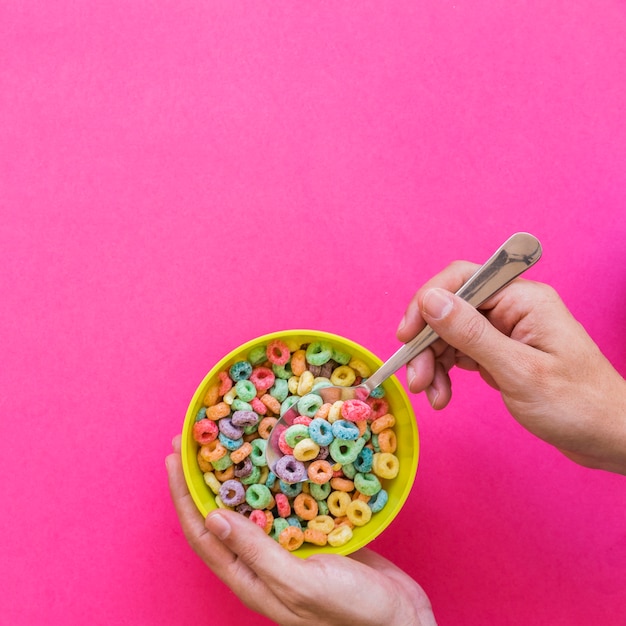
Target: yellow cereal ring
column 340, row 536
column 291, row 538
column 265, row 472
column 217, row 411
column 323, row 523
column 292, row 344
column 385, row 465
column 305, row 383
column 220, row 504
column 360, row 367
column 358, row 512
column 306, row 450
column 229, row 396
column 380, row 423
column 298, row 362
column 292, row 385
column 238, row 455
column 211, row 482
column 387, row 440
column 305, row 506
column 334, row 413
column 343, row 376
column 316, row 537
column 338, row 502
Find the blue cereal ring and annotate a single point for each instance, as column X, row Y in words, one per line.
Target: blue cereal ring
column 363, row 462
column 271, row 479
column 230, row 444
column 240, row 371
column 291, row 491
column 292, row 520
column 378, row 501
column 201, row 414
column 320, row 430
column 343, row 429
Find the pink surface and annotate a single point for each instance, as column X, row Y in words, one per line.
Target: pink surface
column 179, row 177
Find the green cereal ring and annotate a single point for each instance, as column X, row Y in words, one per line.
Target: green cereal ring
column 368, row 484
column 309, row 405
column 320, row 384
column 343, row 358
column 257, row 355
column 240, row 405
column 280, row 389
column 257, row 456
column 288, row 403
column 258, row 496
column 345, row 452
column 322, row 507
column 252, row 477
column 246, row 390
column 319, row 352
column 278, row 525
column 221, row 464
column 319, row 492
column 250, row 429
column 295, row 434
column 375, row 443
column 349, row 471
column 282, row 371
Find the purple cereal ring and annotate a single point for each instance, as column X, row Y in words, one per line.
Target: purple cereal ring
column 230, row 430
column 244, row 468
column 232, row 492
column 290, row 470
column 244, row 508
column 323, row 453
column 244, row 418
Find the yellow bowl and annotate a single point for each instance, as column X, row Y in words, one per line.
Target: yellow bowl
column 405, row 428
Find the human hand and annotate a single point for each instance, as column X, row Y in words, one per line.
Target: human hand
column 524, row 342
column 322, row 590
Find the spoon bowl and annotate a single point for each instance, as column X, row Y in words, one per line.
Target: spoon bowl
column 518, row 253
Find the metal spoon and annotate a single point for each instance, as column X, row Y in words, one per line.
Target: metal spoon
column 514, row 257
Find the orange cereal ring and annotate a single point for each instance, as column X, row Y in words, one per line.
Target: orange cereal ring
column 244, row 450
column 224, row 475
column 291, row 538
column 305, row 506
column 213, row 451
column 316, row 537
column 342, row 484
column 362, row 426
column 271, row 403
column 298, row 362
column 217, row 411
column 387, row 440
column 357, row 495
column 343, row 521
column 380, row 423
column 203, row 464
column 212, row 395
column 265, row 427
column 323, row 411
column 320, row 472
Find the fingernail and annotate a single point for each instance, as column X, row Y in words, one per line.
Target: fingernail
column 402, row 323
column 217, row 525
column 432, row 394
column 437, row 303
column 410, row 374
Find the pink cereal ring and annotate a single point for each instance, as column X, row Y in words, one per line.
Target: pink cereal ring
column 285, row 448
column 204, row 431
column 355, row 410
column 226, row 383
column 278, row 352
column 282, row 505
column 262, row 378
column 258, row 406
column 302, row 419
column 258, row 517
column 379, row 407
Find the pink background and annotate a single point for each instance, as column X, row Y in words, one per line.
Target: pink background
column 177, row 177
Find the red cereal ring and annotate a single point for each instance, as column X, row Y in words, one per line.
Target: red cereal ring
column 258, row 406
column 204, row 431
column 226, row 383
column 262, row 378
column 379, row 407
column 302, row 419
column 282, row 505
column 258, row 517
column 355, row 410
column 278, row 352
column 285, row 448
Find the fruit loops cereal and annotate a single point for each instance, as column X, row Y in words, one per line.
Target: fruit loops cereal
column 338, row 458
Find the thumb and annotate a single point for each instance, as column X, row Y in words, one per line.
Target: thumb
column 460, row 325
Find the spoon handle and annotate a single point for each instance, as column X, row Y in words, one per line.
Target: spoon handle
column 511, row 259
